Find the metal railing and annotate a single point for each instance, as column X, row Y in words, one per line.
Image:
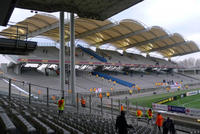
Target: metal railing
column 46, row 95
column 31, row 93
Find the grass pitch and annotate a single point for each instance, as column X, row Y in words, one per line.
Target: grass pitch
column 147, row 101
column 189, row 102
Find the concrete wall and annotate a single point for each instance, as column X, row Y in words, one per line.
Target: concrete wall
column 17, row 69
column 4, row 67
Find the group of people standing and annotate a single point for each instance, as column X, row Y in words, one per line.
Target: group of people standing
column 167, row 125
column 121, row 124
column 149, row 115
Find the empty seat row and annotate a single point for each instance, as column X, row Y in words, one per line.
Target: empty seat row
column 6, row 124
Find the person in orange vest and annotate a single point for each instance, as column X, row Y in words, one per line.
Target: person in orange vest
column 149, row 115
column 138, row 88
column 100, row 96
column 82, row 102
column 122, row 107
column 61, row 104
column 159, row 121
column 139, row 114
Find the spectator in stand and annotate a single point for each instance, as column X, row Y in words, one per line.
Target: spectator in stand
column 139, row 114
column 82, row 102
column 122, row 107
column 159, row 121
column 168, row 126
column 172, row 128
column 61, row 104
column 149, row 115
column 172, row 82
column 121, row 124
column 108, row 95
column 57, row 71
column 130, row 92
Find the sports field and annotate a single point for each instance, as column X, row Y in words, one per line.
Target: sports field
column 189, row 102
column 148, row 100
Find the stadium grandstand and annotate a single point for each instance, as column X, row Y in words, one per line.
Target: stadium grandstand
column 32, row 84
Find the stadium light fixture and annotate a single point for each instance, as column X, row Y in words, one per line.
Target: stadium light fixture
column 100, row 35
column 128, row 40
column 148, row 48
column 172, row 51
column 151, row 45
column 125, row 43
column 98, row 39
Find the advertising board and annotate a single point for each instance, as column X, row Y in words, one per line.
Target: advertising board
column 192, row 111
column 176, row 109
column 191, row 93
column 159, row 107
column 166, row 100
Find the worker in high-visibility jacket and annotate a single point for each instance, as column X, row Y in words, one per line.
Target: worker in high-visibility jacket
column 130, row 92
column 149, row 115
column 108, row 95
column 100, row 96
column 61, row 104
column 139, row 113
column 159, row 121
column 82, row 102
column 122, row 108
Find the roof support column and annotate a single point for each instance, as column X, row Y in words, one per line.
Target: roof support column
column 72, row 58
column 62, row 54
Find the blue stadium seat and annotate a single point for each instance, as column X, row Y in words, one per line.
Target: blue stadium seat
column 92, row 53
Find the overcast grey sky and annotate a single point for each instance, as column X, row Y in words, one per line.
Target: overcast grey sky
column 181, row 16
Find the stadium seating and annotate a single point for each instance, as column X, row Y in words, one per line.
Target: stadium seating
column 87, row 55
column 125, row 83
column 5, row 121
column 114, row 56
column 85, row 81
column 138, row 59
column 21, row 117
column 92, row 53
column 104, row 83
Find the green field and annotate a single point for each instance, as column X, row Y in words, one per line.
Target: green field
column 148, row 100
column 189, row 102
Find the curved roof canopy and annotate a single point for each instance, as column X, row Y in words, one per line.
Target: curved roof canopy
column 123, row 35
column 94, row 9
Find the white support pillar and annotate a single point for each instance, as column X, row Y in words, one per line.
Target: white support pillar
column 62, row 54
column 72, row 57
